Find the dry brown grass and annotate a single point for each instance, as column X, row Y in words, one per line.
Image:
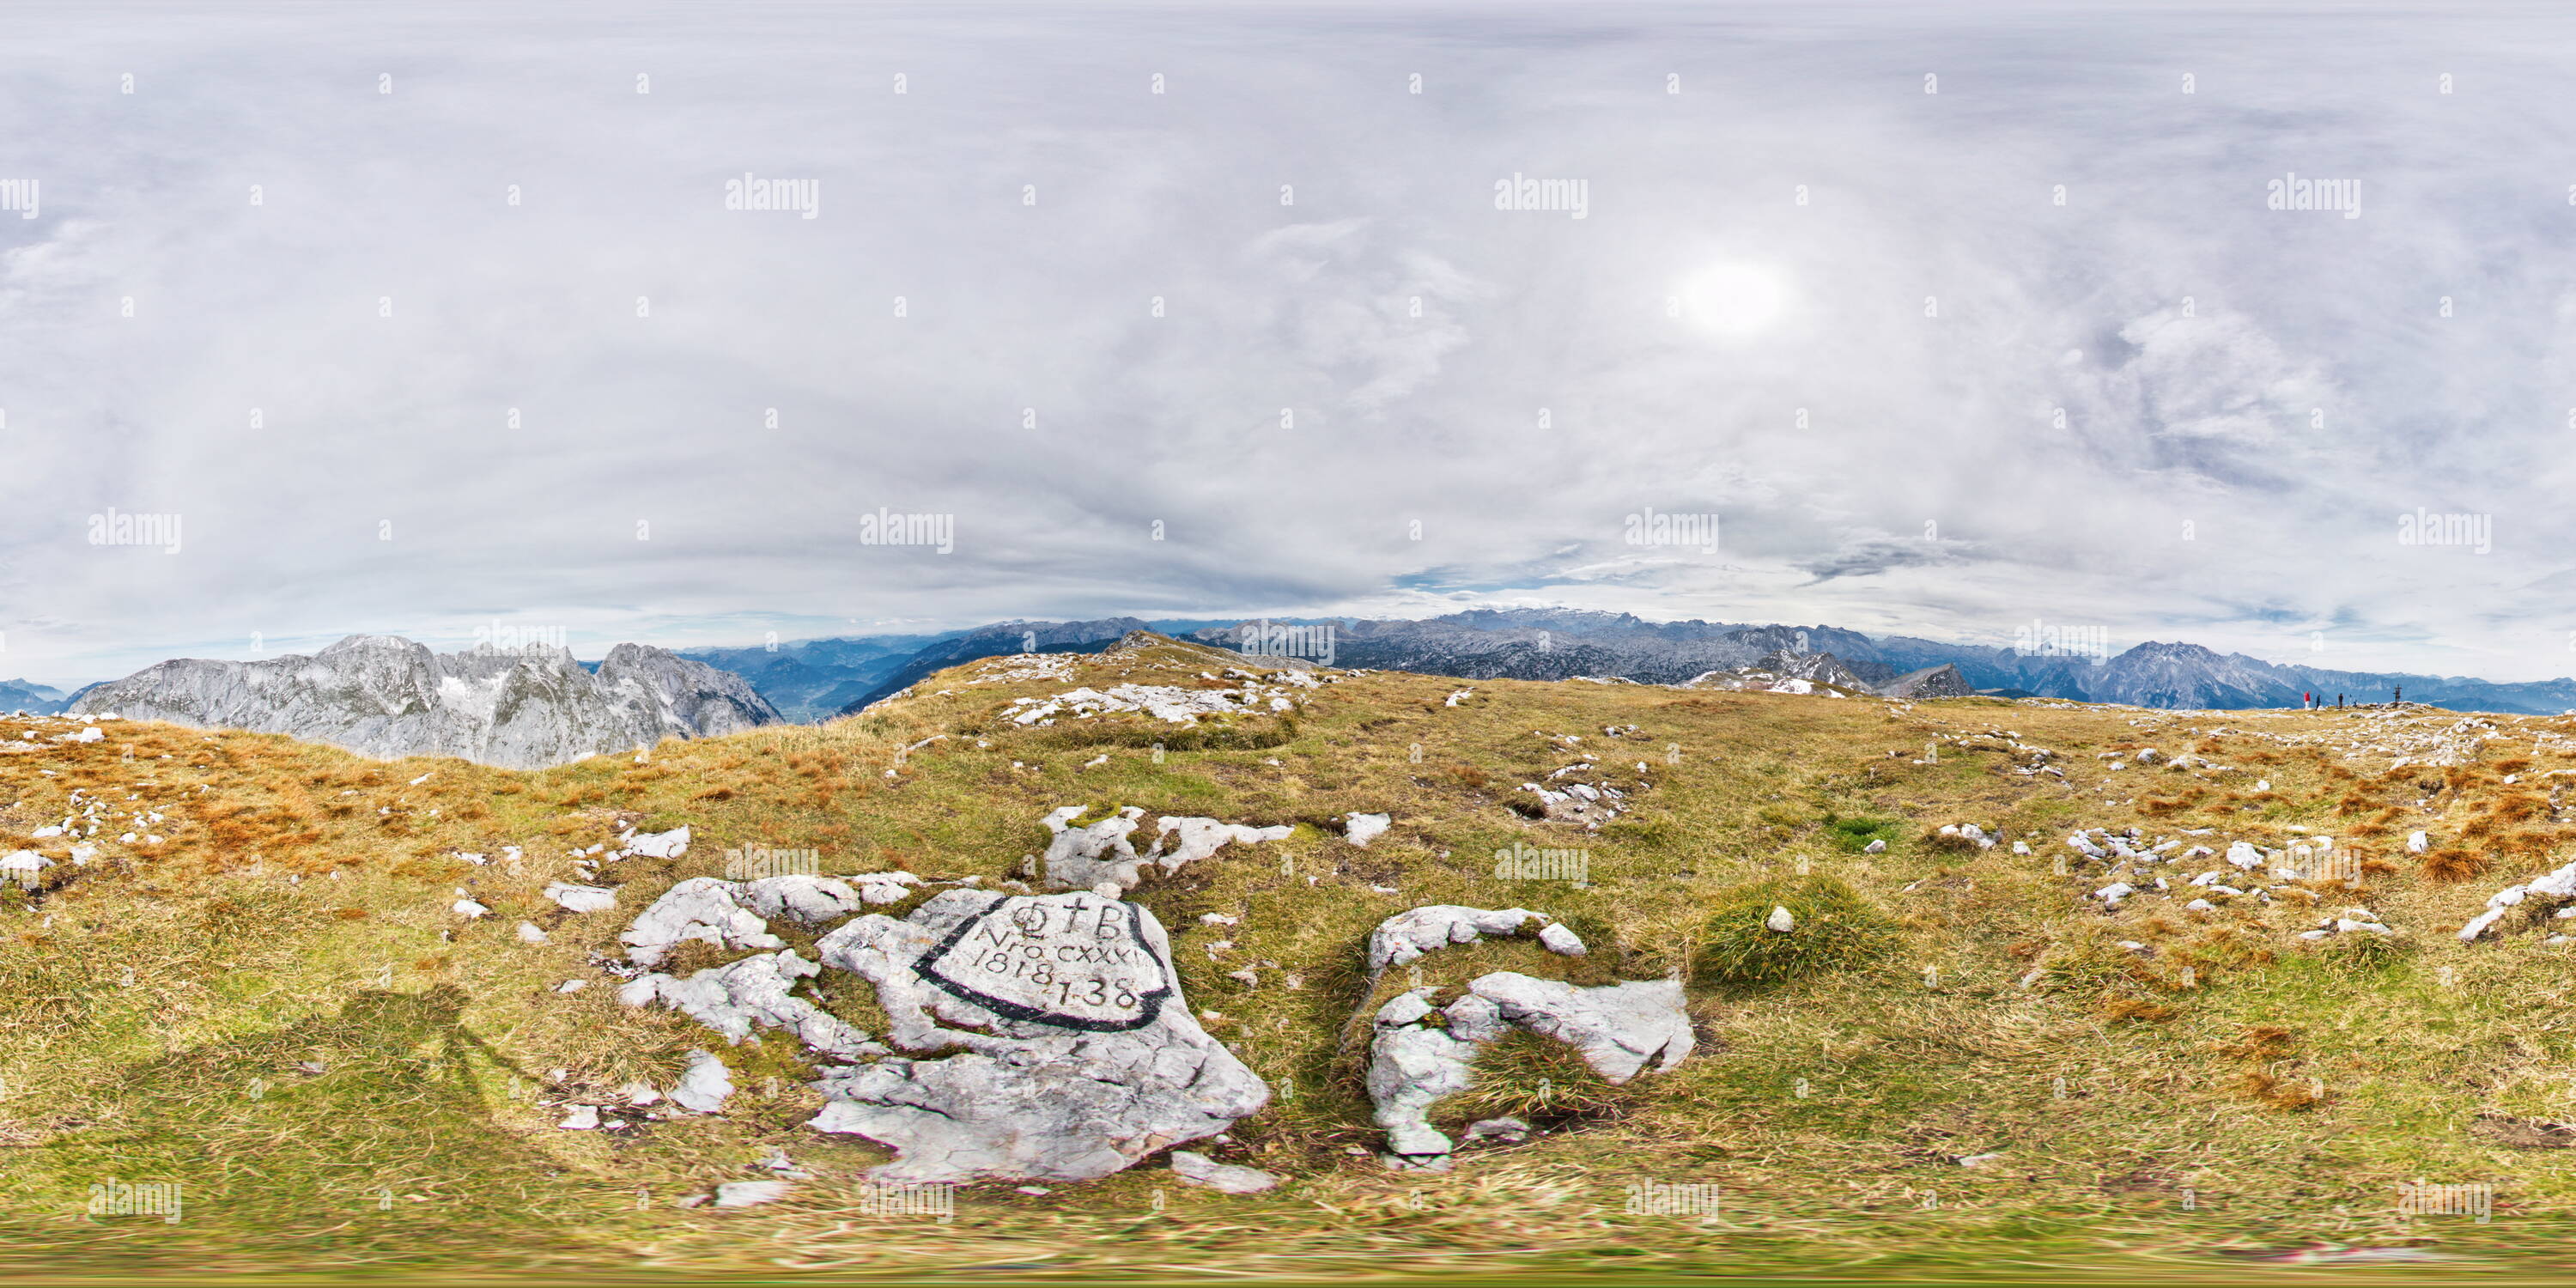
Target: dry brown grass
column 2452, row 864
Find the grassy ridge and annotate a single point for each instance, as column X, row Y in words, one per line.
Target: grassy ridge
column 2235, row 1089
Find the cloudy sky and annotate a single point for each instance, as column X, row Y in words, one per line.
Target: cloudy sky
column 1955, row 316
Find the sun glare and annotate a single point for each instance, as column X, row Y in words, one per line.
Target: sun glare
column 1734, row 299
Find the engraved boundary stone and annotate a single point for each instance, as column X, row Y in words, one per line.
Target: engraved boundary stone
column 1149, row 1005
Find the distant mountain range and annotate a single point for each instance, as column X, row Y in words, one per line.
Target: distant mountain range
column 389, row 697
column 31, row 697
column 811, row 680
column 1555, row 644
column 385, row 696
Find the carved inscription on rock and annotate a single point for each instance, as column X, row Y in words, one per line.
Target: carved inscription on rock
column 1076, row 961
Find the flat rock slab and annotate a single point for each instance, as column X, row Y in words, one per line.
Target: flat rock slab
column 1072, row 1053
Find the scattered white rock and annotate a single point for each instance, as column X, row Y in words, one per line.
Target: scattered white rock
column 1169, row 703
column 582, row 1118
column 659, row 845
column 1406, row 936
column 469, row 909
column 2478, row 924
column 530, row 933
column 1199, row 1169
column 1561, row 941
column 1104, row 853
column 705, row 1086
column 738, row 1194
column 1360, row 829
column 1780, row 921
column 581, row 898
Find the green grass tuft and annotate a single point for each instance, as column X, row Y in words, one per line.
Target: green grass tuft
column 1836, row 929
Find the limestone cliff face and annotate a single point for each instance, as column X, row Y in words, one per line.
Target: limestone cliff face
column 386, row 696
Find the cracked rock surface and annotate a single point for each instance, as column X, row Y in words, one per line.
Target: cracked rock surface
column 698, row 908
column 737, row 997
column 811, row 900
column 1619, row 1029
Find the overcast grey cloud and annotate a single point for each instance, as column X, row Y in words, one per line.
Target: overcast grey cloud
column 2032, row 345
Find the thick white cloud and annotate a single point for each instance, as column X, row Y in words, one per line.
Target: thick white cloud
column 1351, row 338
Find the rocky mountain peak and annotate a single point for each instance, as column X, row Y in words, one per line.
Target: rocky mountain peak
column 383, row 695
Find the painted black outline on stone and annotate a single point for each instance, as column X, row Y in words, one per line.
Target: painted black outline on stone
column 1149, row 1006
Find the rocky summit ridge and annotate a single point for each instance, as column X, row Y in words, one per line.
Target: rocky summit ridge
column 382, row 695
